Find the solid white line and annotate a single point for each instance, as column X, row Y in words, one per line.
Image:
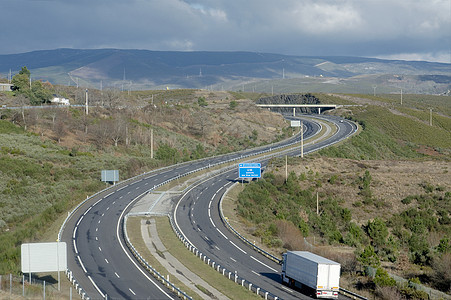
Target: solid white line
column 75, row 232
column 238, row 247
column 272, row 269
column 209, row 204
column 97, row 288
column 209, row 213
column 81, row 263
column 222, row 234
column 255, row 273
column 117, row 275
column 132, row 292
column 128, row 255
column 79, row 220
column 75, row 247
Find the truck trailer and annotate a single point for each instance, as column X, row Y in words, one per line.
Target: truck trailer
column 305, row 269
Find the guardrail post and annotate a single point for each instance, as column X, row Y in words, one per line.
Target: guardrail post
column 250, row 286
column 266, row 295
column 213, row 265
column 258, row 291
column 242, row 282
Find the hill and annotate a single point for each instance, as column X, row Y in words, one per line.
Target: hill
column 262, row 72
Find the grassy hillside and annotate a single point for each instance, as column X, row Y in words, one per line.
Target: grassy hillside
column 53, row 164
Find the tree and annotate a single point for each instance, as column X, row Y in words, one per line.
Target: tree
column 377, row 231
column 233, row 104
column 368, row 257
column 202, row 102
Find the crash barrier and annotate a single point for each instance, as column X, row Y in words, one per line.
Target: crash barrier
column 231, row 275
column 135, row 179
column 265, row 253
column 148, row 267
column 76, row 285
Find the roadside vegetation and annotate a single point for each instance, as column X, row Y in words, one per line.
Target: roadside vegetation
column 403, row 228
column 51, row 157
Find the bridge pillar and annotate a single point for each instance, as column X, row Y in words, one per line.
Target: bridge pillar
column 294, row 111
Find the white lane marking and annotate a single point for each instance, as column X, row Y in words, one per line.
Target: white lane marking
column 128, row 193
column 98, row 222
column 97, row 229
column 75, row 247
column 286, row 289
column 117, row 275
column 87, row 211
column 128, row 255
column 97, row 288
column 107, row 209
column 206, row 237
column 255, row 273
column 132, row 292
column 238, row 247
column 217, row 248
column 103, row 215
column 146, row 183
column 222, row 234
column 106, row 260
column 209, row 213
column 79, row 220
column 209, row 204
column 194, row 221
column 97, row 239
column 120, row 188
column 272, row 269
column 137, row 188
column 234, row 260
column 108, row 195
column 75, row 232
column 96, row 202
column 212, row 222
column 81, row 263
column 100, row 249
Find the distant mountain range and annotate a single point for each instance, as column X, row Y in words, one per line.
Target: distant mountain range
column 143, row 69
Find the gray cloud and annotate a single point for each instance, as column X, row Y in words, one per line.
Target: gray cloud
column 410, row 29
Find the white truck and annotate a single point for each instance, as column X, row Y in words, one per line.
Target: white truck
column 305, row 269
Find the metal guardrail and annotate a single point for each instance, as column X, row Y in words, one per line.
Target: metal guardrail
column 77, row 286
column 277, row 146
column 148, row 267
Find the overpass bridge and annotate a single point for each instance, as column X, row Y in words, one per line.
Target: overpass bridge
column 294, row 106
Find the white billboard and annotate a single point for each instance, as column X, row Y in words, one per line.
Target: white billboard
column 43, row 257
column 295, row 123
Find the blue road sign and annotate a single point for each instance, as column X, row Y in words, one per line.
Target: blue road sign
column 250, row 170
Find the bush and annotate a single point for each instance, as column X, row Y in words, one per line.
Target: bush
column 383, row 279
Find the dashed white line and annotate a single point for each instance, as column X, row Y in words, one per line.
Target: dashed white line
column 106, row 260
column 212, row 222
column 131, row 291
column 75, row 232
column 98, row 222
column 217, row 248
column 272, row 269
column 108, row 195
column 97, row 238
column 87, row 211
column 107, row 209
column 222, row 234
column 117, row 275
column 103, row 215
column 238, row 247
column 255, row 273
column 79, row 220
column 97, row 229
column 234, row 260
column 100, row 249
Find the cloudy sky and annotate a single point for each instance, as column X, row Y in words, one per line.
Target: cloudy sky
column 398, row 29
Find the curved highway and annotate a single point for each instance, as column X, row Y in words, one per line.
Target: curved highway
column 97, row 254
column 205, row 230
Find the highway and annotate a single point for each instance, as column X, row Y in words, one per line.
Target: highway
column 205, row 229
column 103, row 265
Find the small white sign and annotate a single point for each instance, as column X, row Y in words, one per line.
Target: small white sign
column 44, row 257
column 295, row 123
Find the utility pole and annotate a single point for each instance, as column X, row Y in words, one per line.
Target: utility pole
column 401, row 96
column 151, row 142
column 286, row 168
column 317, row 203
column 302, row 140
column 374, row 90
column 86, row 103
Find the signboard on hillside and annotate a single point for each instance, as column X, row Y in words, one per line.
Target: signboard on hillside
column 250, row 170
column 110, row 175
column 43, row 257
